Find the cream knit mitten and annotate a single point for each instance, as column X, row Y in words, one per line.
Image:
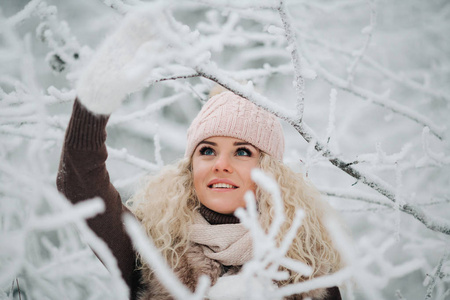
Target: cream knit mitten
column 109, row 76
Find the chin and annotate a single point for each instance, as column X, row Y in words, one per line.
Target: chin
column 222, row 205
column 223, row 210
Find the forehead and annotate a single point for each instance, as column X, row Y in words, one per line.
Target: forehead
column 226, row 141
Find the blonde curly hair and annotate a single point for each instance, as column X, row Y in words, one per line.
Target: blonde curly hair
column 166, row 206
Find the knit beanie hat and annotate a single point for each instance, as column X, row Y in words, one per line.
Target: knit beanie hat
column 230, row 115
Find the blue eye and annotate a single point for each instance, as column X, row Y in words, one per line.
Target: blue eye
column 206, row 151
column 243, row 152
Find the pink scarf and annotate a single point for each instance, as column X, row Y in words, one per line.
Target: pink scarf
column 229, row 244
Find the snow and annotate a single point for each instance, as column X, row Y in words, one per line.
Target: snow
column 374, row 100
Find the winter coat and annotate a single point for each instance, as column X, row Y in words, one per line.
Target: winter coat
column 83, row 175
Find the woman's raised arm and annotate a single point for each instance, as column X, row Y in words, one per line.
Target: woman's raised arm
column 101, row 88
column 83, row 175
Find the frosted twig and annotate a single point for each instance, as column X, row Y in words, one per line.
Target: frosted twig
column 388, row 73
column 211, row 72
column 149, row 109
column 437, row 274
column 377, row 255
column 406, row 81
column 158, row 158
column 24, row 14
column 175, row 77
column 132, row 160
column 299, row 83
column 152, row 256
column 350, row 259
column 65, row 49
column 62, row 96
column 352, row 195
column 364, row 210
column 80, row 211
column 303, row 129
column 325, row 281
column 380, row 100
column 237, row 4
column 266, row 71
column 331, row 116
column 436, row 201
column 264, row 182
column 312, row 157
column 399, row 295
column 268, row 256
column 129, row 180
column 360, row 53
column 118, row 5
column 380, row 158
column 398, row 200
column 437, row 158
column 37, row 189
column 330, row 6
column 98, row 245
column 67, row 259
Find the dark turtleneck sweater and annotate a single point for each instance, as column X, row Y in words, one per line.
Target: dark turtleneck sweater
column 83, row 175
column 215, row 218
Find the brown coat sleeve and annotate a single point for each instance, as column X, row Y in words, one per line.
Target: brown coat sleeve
column 82, row 175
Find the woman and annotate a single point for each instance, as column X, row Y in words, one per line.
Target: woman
column 188, row 208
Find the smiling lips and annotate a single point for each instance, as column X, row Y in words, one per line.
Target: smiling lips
column 222, row 185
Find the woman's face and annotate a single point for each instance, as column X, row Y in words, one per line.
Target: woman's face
column 221, row 168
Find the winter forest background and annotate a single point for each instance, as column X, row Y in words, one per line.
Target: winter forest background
column 370, row 78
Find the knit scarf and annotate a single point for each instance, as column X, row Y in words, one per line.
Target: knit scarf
column 229, row 244
column 213, row 246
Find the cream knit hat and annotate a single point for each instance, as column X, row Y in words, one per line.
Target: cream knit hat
column 228, row 114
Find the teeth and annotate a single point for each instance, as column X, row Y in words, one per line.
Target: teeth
column 222, row 185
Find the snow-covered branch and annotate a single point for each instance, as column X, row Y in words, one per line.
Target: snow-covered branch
column 376, row 66
column 268, row 257
column 360, row 53
column 298, row 82
column 400, row 152
column 132, row 160
column 370, row 180
column 438, row 274
column 379, row 99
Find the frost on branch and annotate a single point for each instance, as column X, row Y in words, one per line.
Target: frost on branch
column 156, row 262
column 388, row 129
column 263, row 269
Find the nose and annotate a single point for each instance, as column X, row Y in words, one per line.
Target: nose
column 223, row 164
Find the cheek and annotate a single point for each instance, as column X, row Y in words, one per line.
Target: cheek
column 196, row 178
column 198, row 174
column 247, row 177
column 254, row 186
